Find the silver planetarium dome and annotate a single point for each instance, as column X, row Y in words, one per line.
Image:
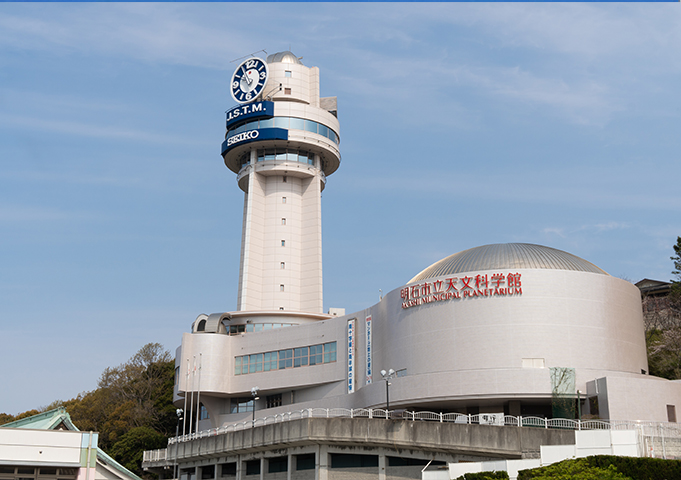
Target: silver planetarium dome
column 284, row 57
column 507, row 256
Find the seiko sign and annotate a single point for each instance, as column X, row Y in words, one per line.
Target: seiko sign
column 250, row 135
column 250, row 110
column 253, row 135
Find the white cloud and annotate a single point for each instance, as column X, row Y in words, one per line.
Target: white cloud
column 23, row 214
column 90, row 130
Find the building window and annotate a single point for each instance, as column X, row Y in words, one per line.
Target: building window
column 241, row 405
column 281, row 288
column 281, row 308
column 203, row 415
column 283, row 359
column 257, row 327
column 228, row 469
column 283, row 221
column 533, row 363
column 671, row 413
column 283, row 265
column 305, row 461
column 316, row 354
column 284, row 178
column 274, row 401
column 188, row 474
column 287, row 91
column 300, row 356
column 277, row 464
column 283, row 199
column 344, row 460
column 253, row 467
column 287, row 73
column 283, row 243
column 293, row 123
column 208, row 472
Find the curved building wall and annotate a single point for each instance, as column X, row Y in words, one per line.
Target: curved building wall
column 504, row 345
column 473, row 353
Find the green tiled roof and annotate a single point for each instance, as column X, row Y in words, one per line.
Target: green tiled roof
column 59, row 419
column 50, row 420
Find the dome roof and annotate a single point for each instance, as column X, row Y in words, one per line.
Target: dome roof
column 284, row 57
column 507, row 255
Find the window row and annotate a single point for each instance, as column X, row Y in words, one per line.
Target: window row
column 305, row 461
column 11, row 471
column 256, row 327
column 287, row 123
column 280, row 154
column 283, row 359
column 245, row 404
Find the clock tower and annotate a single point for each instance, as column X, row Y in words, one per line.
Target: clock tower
column 282, row 142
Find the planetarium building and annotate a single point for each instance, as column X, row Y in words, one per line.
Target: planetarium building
column 515, row 329
column 493, row 329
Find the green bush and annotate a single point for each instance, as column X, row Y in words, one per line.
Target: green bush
column 643, row 468
column 610, row 467
column 501, row 475
column 578, row 469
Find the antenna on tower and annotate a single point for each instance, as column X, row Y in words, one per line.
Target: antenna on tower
column 249, row 55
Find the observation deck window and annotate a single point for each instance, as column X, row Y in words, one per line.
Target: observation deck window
column 256, row 327
column 285, row 155
column 294, row 123
column 297, row 123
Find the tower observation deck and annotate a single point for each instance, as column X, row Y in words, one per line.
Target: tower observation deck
column 282, row 144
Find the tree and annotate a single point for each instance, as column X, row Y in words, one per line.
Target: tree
column 662, row 315
column 677, row 261
column 129, row 450
column 131, row 408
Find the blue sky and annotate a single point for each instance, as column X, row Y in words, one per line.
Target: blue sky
column 461, row 125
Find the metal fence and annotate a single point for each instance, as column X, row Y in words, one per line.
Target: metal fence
column 646, row 429
column 649, row 428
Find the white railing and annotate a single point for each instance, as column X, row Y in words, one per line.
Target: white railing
column 669, row 430
column 646, row 429
column 155, row 455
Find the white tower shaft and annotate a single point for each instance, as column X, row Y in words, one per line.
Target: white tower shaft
column 282, row 159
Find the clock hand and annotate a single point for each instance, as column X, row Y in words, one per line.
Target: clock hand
column 248, row 79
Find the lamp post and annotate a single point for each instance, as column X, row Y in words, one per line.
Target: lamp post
column 179, row 412
column 254, row 394
column 387, row 376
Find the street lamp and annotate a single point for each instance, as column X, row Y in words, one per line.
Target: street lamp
column 179, row 412
column 387, row 376
column 254, row 394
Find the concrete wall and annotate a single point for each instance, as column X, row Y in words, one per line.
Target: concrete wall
column 640, row 397
column 40, row 447
column 485, row 440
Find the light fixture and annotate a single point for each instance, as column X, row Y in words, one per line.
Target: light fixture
column 254, row 394
column 387, row 376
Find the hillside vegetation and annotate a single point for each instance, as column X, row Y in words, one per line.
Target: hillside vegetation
column 131, row 408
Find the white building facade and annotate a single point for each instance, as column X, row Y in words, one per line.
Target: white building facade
column 495, row 329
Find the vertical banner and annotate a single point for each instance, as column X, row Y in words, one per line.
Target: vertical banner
column 368, row 343
column 351, row 355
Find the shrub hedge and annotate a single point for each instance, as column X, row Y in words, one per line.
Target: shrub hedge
column 501, row 475
column 607, row 466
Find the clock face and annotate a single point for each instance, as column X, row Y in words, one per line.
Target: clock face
column 248, row 80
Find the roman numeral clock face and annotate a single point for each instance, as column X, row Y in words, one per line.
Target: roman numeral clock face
column 248, row 80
